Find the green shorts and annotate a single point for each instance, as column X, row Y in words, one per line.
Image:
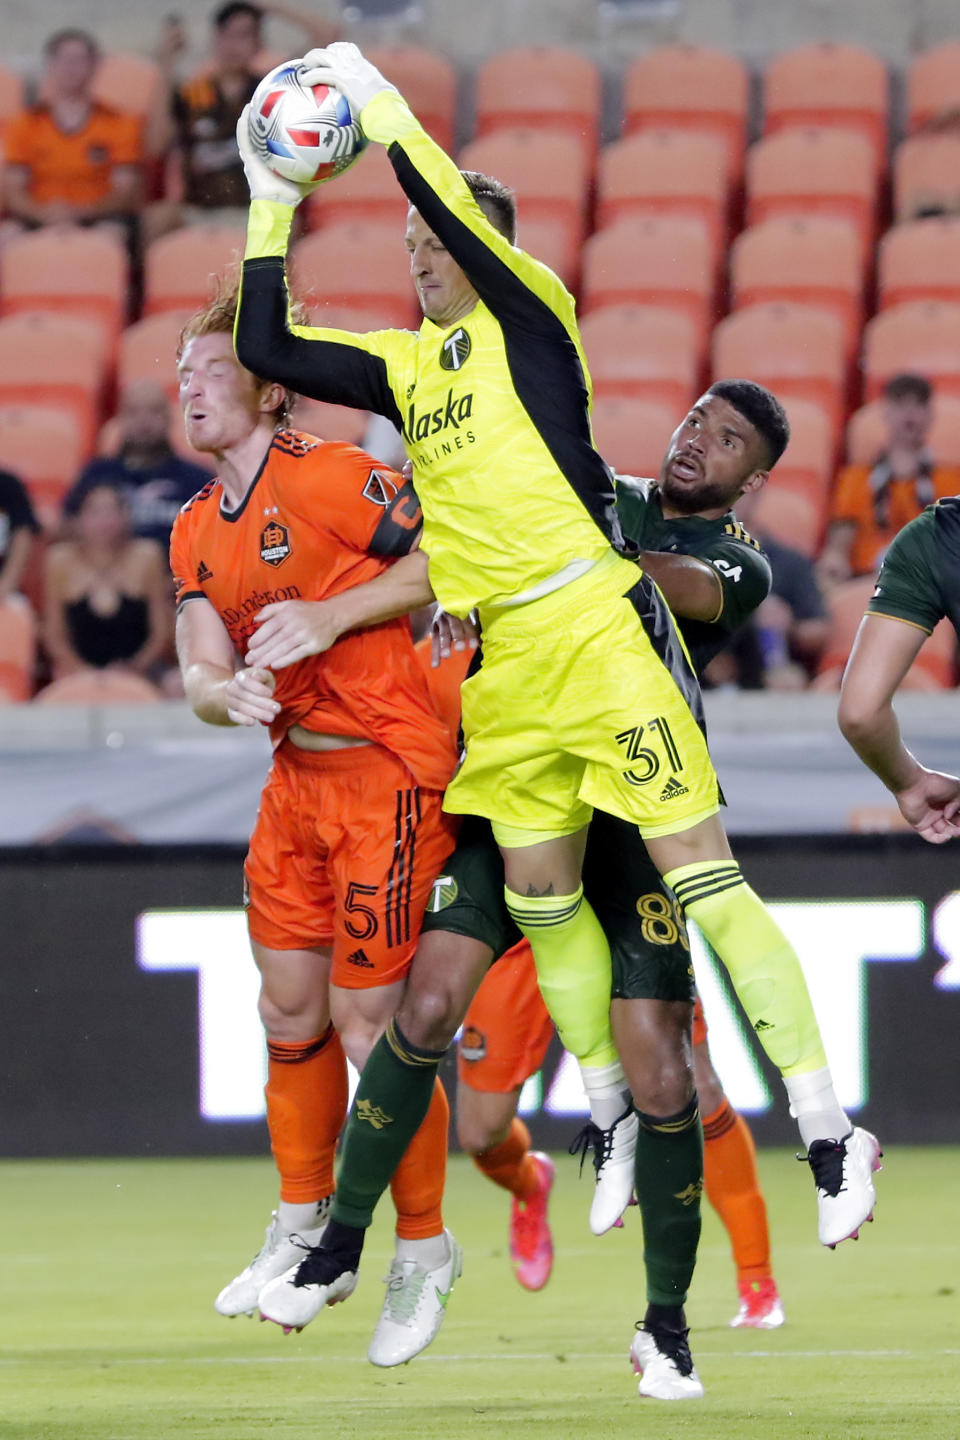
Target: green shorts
column 640, row 916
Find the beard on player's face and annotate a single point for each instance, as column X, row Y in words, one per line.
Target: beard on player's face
column 690, row 497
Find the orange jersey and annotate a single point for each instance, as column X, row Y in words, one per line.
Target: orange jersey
column 444, row 681
column 72, row 166
column 318, row 519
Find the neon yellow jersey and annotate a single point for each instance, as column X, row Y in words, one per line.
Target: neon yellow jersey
column 494, row 410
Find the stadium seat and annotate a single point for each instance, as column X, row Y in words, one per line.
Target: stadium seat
column 934, row 667
column 632, row 435
column 664, row 172
column 645, row 352
column 547, row 169
column 690, row 87
column 828, row 84
column 18, row 649
column 926, row 177
column 807, row 464
column 427, row 81
column 933, row 85
column 549, row 240
column 815, row 261
column 813, row 171
column 922, row 336
column 359, row 315
column 543, row 87
column 792, row 518
column 42, row 444
column 55, row 360
column 11, row 94
column 920, row 260
column 180, row 270
column 148, row 350
column 796, row 350
column 654, row 261
column 99, row 687
column 359, row 264
column 368, row 191
column 867, row 432
column 66, row 271
column 330, row 422
column 127, row 82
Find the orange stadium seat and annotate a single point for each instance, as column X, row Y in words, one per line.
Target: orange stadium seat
column 180, row 270
column 645, row 352
column 921, row 336
column 933, row 85
column 55, row 360
column 127, row 82
column 920, row 260
column 547, row 169
column 542, row 87
column 815, row 261
column 792, row 518
column 632, row 435
column 18, row 649
column 807, row 463
column 796, row 350
column 828, row 84
column 148, row 350
column 813, row 171
column 690, row 87
column 99, row 687
column 549, row 240
column 66, row 271
column 330, row 422
column 427, row 81
column 664, row 172
column 42, row 445
column 357, row 264
column 11, row 94
column 867, row 432
column 926, row 177
column 369, row 190
column 652, row 261
column 933, row 669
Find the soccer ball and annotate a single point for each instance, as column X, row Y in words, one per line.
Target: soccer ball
column 303, row 132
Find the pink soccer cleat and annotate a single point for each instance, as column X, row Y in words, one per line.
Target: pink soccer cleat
column 531, row 1244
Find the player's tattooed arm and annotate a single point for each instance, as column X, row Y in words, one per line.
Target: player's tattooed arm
column 691, row 587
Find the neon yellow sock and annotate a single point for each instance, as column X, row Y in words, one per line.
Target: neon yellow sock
column 573, row 969
column 761, row 962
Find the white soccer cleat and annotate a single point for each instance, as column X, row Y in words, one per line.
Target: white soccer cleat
column 297, row 1297
column 843, row 1172
column 280, row 1250
column 413, row 1307
column 760, row 1306
column 614, row 1153
column 665, row 1366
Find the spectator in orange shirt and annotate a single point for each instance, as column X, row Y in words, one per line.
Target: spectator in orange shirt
column 873, row 503
column 71, row 160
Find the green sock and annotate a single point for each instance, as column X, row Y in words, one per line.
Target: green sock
column 393, row 1096
column 573, row 969
column 760, row 960
column 669, row 1183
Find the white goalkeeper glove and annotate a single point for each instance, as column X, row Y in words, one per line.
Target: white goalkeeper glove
column 342, row 66
column 263, row 183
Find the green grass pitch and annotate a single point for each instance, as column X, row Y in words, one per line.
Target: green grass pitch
column 108, row 1332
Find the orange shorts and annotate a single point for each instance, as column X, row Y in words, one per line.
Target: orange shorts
column 344, row 853
column 699, row 1022
column 507, row 1029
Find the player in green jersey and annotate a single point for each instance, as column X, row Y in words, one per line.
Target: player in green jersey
column 586, row 697
column 918, row 585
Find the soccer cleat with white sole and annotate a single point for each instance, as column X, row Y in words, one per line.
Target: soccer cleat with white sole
column 614, row 1153
column 843, row 1172
column 295, row 1298
column 279, row 1251
column 760, row 1306
column 664, row 1364
column 413, row 1307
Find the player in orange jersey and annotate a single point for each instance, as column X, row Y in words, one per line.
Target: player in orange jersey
column 350, row 832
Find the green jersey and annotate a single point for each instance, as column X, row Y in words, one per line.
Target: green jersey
column 919, row 581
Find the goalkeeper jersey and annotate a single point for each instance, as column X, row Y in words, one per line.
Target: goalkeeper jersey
column 494, row 409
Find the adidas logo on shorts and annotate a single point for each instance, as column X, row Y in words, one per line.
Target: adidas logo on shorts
column 359, row 957
column 673, row 789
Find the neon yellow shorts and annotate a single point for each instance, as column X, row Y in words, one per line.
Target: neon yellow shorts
column 586, row 699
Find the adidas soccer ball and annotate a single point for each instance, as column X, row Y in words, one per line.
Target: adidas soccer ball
column 302, row 132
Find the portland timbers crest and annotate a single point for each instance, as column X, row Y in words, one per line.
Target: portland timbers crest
column 454, row 350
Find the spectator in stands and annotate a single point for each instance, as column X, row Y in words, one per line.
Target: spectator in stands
column 69, row 159
column 18, row 527
column 791, row 626
column 196, row 122
column 155, row 480
column 107, row 595
column 873, row 503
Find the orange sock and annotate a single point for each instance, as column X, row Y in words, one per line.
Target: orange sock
column 733, row 1189
column 306, row 1106
column 418, row 1181
column 509, row 1163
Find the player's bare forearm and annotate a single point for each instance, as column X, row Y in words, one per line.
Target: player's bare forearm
column 690, row 587
column 403, row 587
column 882, row 654
column 205, row 687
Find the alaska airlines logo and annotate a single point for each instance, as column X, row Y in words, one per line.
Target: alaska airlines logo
column 451, row 416
column 454, row 350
